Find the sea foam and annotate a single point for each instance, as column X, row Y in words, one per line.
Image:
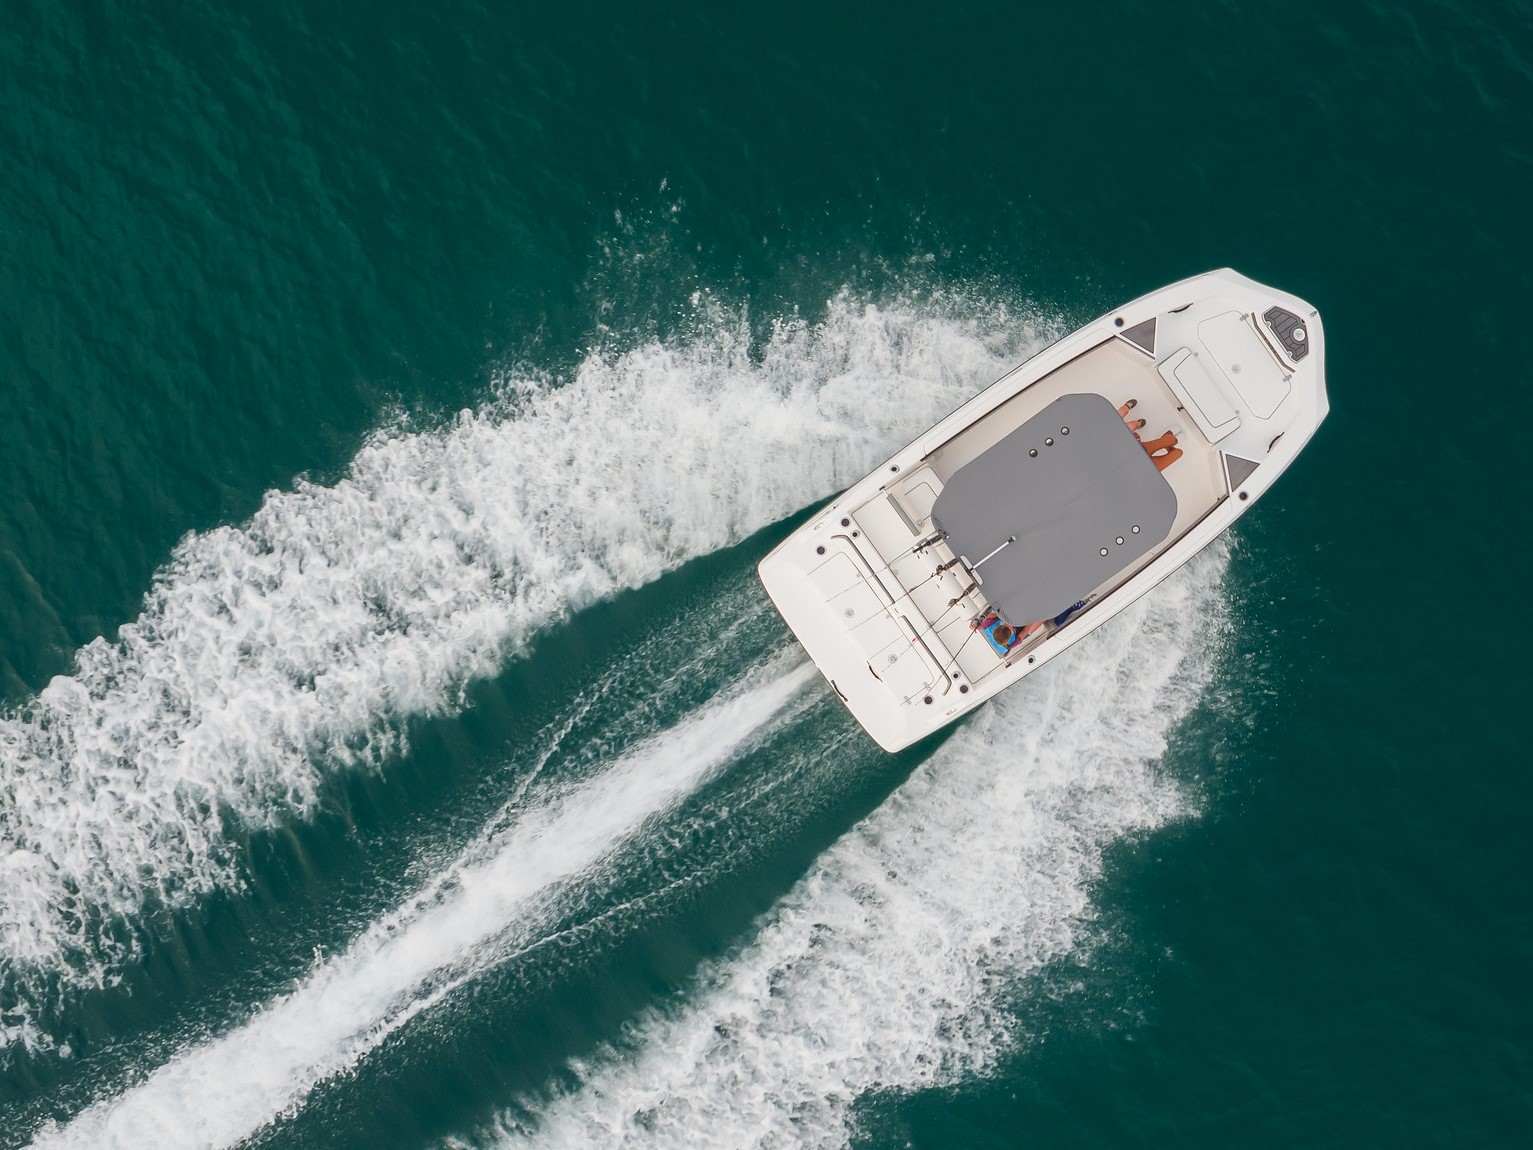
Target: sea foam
column 469, row 915
column 272, row 654
column 891, row 965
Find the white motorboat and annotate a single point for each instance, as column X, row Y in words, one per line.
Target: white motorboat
column 1037, row 511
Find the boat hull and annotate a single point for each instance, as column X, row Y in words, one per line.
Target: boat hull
column 888, row 613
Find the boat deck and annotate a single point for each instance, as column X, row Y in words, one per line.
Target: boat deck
column 892, row 522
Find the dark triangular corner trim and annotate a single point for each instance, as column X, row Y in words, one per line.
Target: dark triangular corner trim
column 1142, row 335
column 1240, row 470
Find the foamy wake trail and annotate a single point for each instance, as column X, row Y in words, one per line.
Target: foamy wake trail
column 269, row 654
column 891, row 965
column 469, row 916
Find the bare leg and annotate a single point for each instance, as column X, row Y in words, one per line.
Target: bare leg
column 1154, row 445
column 1164, row 461
column 1134, row 425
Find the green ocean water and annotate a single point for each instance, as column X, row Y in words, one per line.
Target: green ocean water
column 397, row 749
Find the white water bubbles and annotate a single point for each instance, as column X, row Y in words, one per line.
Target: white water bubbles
column 272, row 654
column 465, row 918
column 890, row 966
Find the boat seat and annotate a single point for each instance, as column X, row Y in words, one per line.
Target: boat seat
column 1200, row 394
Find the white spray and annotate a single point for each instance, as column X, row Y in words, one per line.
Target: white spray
column 270, row 654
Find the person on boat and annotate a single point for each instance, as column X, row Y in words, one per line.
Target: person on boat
column 1002, row 634
column 1134, row 425
column 1163, row 451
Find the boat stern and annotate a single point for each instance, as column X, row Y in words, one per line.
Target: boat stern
column 869, row 651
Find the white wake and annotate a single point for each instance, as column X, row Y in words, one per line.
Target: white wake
column 217, row 1094
column 270, row 654
column 889, row 967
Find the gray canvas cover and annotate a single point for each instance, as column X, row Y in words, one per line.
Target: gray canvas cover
column 1092, row 489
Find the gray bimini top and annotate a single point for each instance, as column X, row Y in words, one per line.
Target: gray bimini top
column 1080, row 508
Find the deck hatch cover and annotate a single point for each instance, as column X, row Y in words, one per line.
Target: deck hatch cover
column 1064, row 505
column 1200, row 395
column 1243, row 359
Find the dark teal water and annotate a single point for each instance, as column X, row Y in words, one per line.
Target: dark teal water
column 397, row 749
